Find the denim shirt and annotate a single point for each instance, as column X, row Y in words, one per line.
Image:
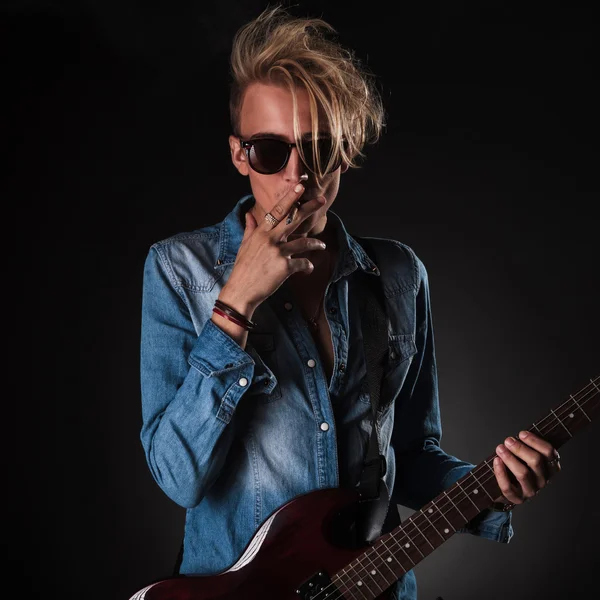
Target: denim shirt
column 232, row 434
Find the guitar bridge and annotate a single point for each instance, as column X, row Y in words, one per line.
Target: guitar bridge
column 318, row 585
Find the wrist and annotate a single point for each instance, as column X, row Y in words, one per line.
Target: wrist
column 237, row 302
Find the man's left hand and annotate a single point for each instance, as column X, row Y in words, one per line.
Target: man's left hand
column 524, row 467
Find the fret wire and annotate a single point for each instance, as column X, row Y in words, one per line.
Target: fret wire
column 443, row 515
column 393, row 555
column 459, row 486
column 357, row 562
column 422, row 535
column 412, row 542
column 354, row 584
column 564, row 427
column 400, row 545
column 348, row 586
column 431, row 523
column 481, row 485
column 340, row 594
column 366, row 555
column 403, row 550
column 583, row 392
column 380, row 569
column 485, row 464
column 456, row 507
column 385, row 562
column 581, row 409
column 583, row 400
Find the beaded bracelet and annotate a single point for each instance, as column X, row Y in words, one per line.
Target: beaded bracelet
column 230, row 312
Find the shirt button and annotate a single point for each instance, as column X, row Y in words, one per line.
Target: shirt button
column 324, row 426
column 228, row 365
column 311, row 363
column 243, row 382
column 333, row 310
column 342, row 367
column 288, row 306
column 266, row 382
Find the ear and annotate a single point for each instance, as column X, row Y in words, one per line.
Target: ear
column 238, row 155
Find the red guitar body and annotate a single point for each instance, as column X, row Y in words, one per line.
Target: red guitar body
column 308, row 535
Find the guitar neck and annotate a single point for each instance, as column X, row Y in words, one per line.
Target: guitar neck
column 426, row 529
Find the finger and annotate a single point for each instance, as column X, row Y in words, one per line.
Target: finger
column 304, row 211
column 520, row 471
column 283, row 207
column 250, row 224
column 288, row 249
column 504, row 483
column 536, row 461
column 538, row 443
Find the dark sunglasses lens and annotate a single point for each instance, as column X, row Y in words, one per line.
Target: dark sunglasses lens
column 268, row 156
column 325, row 147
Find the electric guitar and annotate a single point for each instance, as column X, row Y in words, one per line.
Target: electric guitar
column 304, row 550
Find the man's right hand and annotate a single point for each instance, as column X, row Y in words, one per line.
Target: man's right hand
column 264, row 260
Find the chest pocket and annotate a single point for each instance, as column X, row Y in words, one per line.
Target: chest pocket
column 261, row 347
column 401, row 349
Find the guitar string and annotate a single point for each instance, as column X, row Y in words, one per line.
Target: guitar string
column 414, row 522
column 410, row 520
column 399, row 542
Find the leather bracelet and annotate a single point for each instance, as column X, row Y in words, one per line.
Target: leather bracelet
column 235, row 314
column 230, row 318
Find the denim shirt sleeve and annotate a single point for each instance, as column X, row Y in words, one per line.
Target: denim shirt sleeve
column 423, row 469
column 190, row 387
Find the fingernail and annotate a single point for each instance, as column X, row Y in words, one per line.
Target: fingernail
column 510, row 441
column 323, row 245
column 497, row 462
column 523, row 434
column 500, row 449
column 299, row 188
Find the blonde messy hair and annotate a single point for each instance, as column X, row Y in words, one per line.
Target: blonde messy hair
column 300, row 52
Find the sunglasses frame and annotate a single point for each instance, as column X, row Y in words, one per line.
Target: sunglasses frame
column 248, row 144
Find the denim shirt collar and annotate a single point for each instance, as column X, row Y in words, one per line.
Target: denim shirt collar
column 351, row 255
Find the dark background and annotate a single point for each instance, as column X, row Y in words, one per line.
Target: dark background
column 115, row 136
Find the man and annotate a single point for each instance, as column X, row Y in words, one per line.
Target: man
column 252, row 368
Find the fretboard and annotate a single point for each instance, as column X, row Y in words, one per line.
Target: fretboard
column 400, row 550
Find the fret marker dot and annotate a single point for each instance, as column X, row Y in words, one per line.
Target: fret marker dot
column 476, row 491
column 571, row 416
column 360, row 583
column 407, row 545
column 373, row 572
column 446, row 530
column 389, row 559
column 430, row 510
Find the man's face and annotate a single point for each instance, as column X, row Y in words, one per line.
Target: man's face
column 268, row 109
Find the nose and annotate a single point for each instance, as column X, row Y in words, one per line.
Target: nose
column 295, row 169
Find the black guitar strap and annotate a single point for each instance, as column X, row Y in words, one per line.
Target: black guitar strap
column 375, row 516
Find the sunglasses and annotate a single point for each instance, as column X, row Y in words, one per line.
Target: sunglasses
column 269, row 155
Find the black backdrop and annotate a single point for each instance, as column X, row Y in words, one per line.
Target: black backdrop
column 115, row 133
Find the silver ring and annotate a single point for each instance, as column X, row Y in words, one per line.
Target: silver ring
column 271, row 219
column 554, row 461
